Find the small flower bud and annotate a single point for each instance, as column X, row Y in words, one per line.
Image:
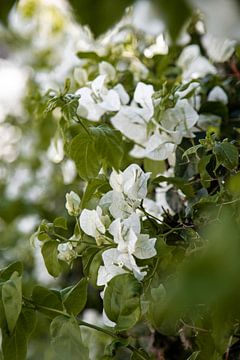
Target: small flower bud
column 73, row 203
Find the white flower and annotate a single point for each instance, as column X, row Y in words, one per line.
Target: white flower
column 193, row 64
column 96, row 100
column 127, row 235
column 117, row 205
column 55, row 152
column 129, row 188
column 132, row 182
column 218, row 94
column 105, row 68
column 160, row 47
column 159, row 146
column 132, row 123
column 73, row 203
column 145, row 247
column 218, row 49
column 66, row 252
column 132, row 120
column 92, row 222
column 180, row 120
column 116, row 263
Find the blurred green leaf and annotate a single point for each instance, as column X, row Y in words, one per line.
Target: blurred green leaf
column 100, row 15
column 66, row 339
column 12, row 300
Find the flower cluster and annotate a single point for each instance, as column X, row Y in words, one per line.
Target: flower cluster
column 117, row 222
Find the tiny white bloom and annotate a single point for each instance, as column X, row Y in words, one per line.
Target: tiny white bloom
column 66, row 252
column 73, row 203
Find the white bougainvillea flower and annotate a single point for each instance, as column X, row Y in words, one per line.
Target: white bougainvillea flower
column 127, row 235
column 193, row 64
column 116, row 263
column 145, row 247
column 129, row 188
column 218, row 94
column 133, row 120
column 117, row 205
column 73, row 203
column 159, row 146
column 218, row 49
column 92, row 222
column 132, row 182
column 179, row 121
column 143, row 96
column 66, row 252
column 96, row 100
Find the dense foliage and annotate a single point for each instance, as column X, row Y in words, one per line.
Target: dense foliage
column 137, row 134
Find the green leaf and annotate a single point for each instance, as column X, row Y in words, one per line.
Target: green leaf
column 91, row 55
column 66, row 339
column 108, row 144
column 194, row 355
column 226, row 154
column 95, row 187
column 179, row 183
column 14, row 346
column 49, row 253
column 122, row 301
column 99, row 15
column 85, row 156
column 6, row 272
column 69, row 110
column 47, row 299
column 175, row 14
column 75, row 297
column 12, row 300
column 60, row 222
column 205, row 177
column 5, row 9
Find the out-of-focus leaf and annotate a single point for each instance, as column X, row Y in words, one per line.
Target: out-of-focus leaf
column 99, row 15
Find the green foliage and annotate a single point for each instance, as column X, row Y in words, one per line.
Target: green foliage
column 49, row 253
column 122, row 301
column 66, row 339
column 74, row 298
column 99, row 15
column 95, row 147
column 12, row 300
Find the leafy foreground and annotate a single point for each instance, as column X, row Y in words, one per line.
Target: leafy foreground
column 154, row 220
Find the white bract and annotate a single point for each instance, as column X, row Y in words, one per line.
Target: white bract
column 218, row 49
column 92, row 222
column 193, row 64
column 132, row 120
column 179, row 121
column 129, row 188
column 96, row 100
column 73, row 203
column 66, row 252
